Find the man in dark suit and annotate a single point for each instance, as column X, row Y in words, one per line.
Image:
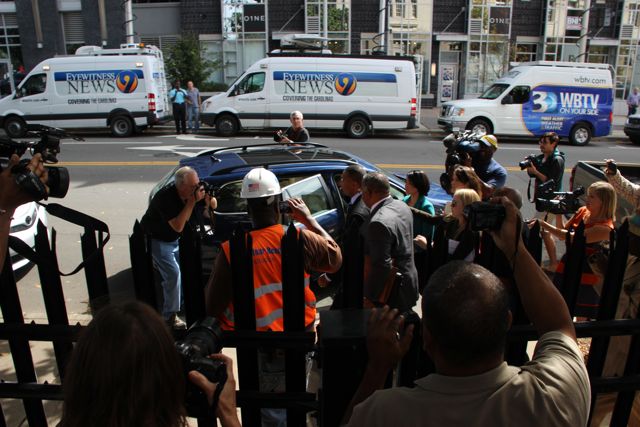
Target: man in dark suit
column 390, row 276
column 351, row 242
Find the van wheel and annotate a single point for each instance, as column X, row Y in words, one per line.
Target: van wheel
column 480, row 126
column 357, row 127
column 580, row 134
column 227, row 125
column 121, row 126
column 15, row 127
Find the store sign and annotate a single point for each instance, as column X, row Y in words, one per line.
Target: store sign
column 574, row 23
column 254, row 19
column 499, row 20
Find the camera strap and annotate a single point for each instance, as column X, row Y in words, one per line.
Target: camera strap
column 531, row 198
column 70, row 215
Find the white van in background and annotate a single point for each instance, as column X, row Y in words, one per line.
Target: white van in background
column 355, row 94
column 124, row 89
column 575, row 100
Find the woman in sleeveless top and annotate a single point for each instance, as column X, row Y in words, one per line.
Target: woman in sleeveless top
column 598, row 217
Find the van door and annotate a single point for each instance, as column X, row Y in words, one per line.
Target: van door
column 249, row 98
column 33, row 98
column 512, row 122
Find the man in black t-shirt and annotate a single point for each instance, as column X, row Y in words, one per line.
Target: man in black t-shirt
column 166, row 217
column 295, row 133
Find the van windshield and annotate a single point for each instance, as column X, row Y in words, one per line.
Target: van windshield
column 494, row 91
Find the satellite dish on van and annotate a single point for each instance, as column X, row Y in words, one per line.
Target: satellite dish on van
column 303, row 43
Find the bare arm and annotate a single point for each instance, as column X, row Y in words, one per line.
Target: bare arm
column 541, row 300
column 300, row 212
column 218, row 290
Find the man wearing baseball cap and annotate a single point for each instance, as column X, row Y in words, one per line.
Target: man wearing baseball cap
column 489, row 171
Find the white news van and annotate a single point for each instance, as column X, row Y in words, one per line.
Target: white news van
column 355, row 94
column 575, row 100
column 124, row 89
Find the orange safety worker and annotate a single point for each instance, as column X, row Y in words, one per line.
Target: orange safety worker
column 320, row 252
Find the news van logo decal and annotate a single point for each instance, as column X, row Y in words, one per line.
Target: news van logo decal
column 345, row 84
column 545, row 102
column 127, row 81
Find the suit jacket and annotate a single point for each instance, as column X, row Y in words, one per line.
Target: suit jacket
column 353, row 255
column 389, row 242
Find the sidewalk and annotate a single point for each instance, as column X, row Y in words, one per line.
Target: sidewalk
column 429, row 119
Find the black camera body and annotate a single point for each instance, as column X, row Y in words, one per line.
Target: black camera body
column 208, row 188
column 49, row 147
column 202, row 339
column 560, row 203
column 528, row 161
column 460, row 148
column 485, row 216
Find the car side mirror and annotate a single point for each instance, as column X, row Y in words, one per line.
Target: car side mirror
column 507, row 100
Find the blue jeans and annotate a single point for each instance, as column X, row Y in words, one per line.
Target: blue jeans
column 193, row 117
column 166, row 258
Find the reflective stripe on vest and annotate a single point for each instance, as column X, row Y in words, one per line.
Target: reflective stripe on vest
column 267, row 282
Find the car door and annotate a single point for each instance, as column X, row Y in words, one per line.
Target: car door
column 250, row 100
column 34, row 99
column 317, row 196
column 512, row 121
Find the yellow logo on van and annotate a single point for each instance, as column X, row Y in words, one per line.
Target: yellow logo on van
column 345, row 84
column 127, row 81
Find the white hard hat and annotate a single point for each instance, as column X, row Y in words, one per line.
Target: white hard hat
column 259, row 182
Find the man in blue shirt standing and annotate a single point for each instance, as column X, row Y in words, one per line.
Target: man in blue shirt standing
column 178, row 98
column 489, row 171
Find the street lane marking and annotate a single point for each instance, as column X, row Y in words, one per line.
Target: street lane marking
column 403, row 166
column 110, row 142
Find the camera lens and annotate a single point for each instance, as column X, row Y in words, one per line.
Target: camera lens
column 58, row 181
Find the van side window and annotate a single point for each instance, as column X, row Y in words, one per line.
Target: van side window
column 252, row 83
column 520, row 94
column 35, row 85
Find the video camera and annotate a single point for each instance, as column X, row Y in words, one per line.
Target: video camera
column 202, row 339
column 554, row 202
column 460, row 147
column 485, row 216
column 48, row 146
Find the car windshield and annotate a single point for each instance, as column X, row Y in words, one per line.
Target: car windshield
column 494, row 91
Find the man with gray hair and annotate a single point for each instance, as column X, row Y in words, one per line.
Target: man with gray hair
column 390, row 276
column 295, row 133
column 165, row 219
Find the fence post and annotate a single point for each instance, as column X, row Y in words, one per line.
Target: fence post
column 573, row 267
column 94, row 270
column 142, row 266
column 191, row 275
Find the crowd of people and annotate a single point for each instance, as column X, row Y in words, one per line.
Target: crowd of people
column 379, row 262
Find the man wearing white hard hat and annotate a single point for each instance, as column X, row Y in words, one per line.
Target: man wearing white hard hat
column 486, row 167
column 321, row 253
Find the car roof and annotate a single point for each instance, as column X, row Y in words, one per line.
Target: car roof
column 279, row 158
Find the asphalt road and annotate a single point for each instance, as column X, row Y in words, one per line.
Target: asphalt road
column 111, row 179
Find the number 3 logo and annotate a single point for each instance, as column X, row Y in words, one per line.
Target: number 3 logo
column 544, row 102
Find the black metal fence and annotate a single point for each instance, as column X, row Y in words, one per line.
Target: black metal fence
column 342, row 334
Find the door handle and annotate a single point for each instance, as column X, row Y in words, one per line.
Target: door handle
column 260, row 99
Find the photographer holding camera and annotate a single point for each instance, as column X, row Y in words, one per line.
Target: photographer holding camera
column 125, row 371
column 295, row 133
column 165, row 219
column 487, row 168
column 12, row 195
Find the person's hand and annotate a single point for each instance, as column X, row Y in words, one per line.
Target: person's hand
column 386, row 342
column 612, row 168
column 198, row 194
column 11, row 195
column 227, row 401
column 285, row 140
column 421, row 241
column 324, row 280
column 506, row 238
column 299, row 210
column 531, row 169
column 211, row 202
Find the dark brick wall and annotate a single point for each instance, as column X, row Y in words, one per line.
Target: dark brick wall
column 444, row 12
column 53, row 42
column 201, row 16
column 114, row 12
column 280, row 11
column 526, row 18
column 364, row 19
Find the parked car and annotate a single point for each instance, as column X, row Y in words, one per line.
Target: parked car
column 24, row 226
column 632, row 128
column 310, row 171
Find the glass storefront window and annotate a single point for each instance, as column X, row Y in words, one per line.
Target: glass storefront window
column 338, row 24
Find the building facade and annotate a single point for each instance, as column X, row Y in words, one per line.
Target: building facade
column 461, row 46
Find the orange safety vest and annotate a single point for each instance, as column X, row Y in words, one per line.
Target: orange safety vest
column 267, row 282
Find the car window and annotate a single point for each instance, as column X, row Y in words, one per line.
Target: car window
column 35, row 85
column 252, row 83
column 494, row 91
column 312, row 191
column 520, row 94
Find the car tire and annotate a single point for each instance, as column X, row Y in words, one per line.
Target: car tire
column 480, row 125
column 121, row 126
column 635, row 140
column 227, row 125
column 15, row 127
column 357, row 127
column 580, row 134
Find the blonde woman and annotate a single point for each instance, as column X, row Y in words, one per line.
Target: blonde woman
column 598, row 216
